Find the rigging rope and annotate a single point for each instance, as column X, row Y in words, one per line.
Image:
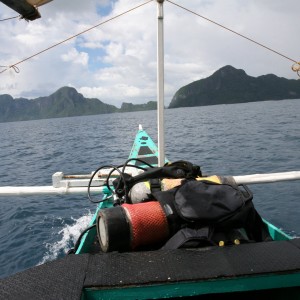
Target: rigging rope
column 71, row 37
column 295, row 66
column 16, row 69
column 19, row 16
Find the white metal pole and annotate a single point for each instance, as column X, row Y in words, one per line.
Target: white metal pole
column 160, row 83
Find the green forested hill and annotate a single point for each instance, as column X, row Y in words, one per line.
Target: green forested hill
column 230, row 85
column 225, row 86
column 65, row 102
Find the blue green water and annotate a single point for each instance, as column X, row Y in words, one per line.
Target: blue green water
column 236, row 139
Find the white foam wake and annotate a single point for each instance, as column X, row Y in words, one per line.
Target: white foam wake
column 70, row 234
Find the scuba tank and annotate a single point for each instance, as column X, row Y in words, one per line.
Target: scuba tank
column 142, row 191
column 132, row 226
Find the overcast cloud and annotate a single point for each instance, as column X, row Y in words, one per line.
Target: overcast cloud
column 116, row 62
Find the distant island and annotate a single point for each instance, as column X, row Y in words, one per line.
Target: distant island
column 229, row 85
column 65, row 102
column 226, row 86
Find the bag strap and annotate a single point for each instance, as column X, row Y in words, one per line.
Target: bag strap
column 155, row 185
column 187, row 234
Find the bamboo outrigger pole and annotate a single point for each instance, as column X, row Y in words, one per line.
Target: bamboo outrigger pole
column 160, row 83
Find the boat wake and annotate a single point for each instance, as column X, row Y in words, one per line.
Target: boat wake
column 69, row 235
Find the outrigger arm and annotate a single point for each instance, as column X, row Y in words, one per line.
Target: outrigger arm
column 77, row 184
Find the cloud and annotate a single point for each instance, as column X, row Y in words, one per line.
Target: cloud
column 76, row 57
column 116, row 61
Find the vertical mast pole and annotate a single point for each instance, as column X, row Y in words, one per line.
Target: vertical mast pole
column 160, row 83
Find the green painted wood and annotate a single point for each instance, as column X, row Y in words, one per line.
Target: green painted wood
column 88, row 239
column 143, row 139
column 189, row 289
column 276, row 233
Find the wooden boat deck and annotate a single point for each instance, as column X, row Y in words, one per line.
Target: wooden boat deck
column 181, row 272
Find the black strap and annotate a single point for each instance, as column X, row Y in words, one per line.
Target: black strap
column 155, row 185
column 185, row 235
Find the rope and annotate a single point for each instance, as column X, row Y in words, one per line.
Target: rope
column 296, row 65
column 10, row 18
column 16, row 69
column 73, row 36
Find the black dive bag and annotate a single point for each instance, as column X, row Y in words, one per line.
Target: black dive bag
column 214, row 209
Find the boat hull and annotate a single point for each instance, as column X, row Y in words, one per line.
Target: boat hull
column 254, row 270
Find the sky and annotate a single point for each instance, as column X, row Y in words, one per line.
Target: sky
column 116, row 62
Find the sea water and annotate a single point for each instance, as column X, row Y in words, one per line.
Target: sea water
column 236, row 139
